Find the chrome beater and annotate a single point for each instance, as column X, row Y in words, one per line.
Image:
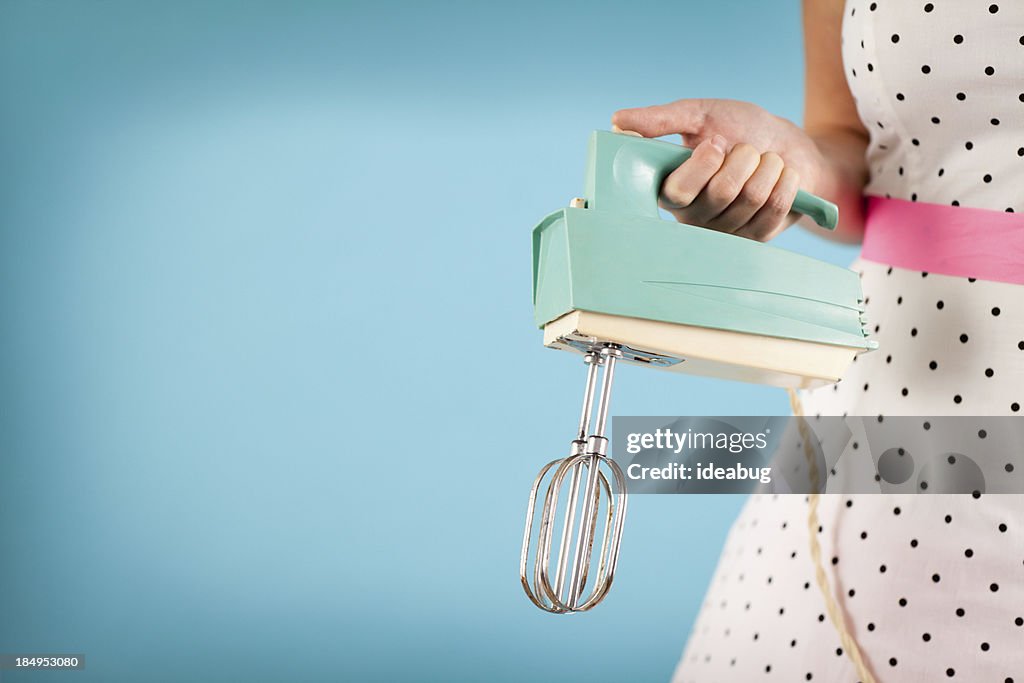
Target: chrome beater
column 568, row 592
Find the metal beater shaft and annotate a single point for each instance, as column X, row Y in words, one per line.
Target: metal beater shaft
column 588, row 454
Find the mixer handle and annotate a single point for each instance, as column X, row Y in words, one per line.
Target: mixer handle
column 625, row 173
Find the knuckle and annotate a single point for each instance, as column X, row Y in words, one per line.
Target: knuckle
column 681, row 200
column 723, row 190
column 779, row 203
column 708, row 156
column 781, row 199
column 755, row 194
column 790, row 180
column 746, row 152
column 772, row 159
column 677, row 193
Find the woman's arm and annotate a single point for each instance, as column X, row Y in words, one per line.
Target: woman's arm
column 747, row 164
column 830, row 117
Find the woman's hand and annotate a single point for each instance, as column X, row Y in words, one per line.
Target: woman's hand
column 746, row 168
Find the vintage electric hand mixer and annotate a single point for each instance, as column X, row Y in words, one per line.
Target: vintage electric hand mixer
column 616, row 283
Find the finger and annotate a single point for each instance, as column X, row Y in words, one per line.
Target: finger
column 681, row 116
column 773, row 217
column 753, row 196
column 724, row 187
column 683, row 185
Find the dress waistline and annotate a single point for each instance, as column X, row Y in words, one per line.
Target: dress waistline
column 946, row 240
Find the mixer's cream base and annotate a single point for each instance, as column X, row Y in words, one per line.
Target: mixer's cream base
column 738, row 356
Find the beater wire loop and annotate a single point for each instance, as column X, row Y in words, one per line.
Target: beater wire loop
column 596, row 493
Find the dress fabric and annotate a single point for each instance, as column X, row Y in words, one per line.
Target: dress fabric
column 932, row 586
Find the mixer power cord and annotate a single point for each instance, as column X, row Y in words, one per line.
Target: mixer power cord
column 835, row 611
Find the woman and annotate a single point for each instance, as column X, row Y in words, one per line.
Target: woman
column 920, row 107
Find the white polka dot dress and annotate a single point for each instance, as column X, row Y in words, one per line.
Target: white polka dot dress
column 931, row 586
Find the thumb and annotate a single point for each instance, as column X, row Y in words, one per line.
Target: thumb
column 686, row 117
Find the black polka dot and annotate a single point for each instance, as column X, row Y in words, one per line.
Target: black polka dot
column 900, row 97
column 989, row 70
column 895, row 38
column 925, row 69
column 958, row 39
column 993, row 8
column 961, row 96
column 995, row 310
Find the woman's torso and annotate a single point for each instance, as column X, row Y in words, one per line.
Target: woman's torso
column 940, row 87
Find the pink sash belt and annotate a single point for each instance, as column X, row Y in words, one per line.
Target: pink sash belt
column 947, row 240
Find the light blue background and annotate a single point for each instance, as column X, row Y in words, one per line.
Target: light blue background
column 271, row 399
